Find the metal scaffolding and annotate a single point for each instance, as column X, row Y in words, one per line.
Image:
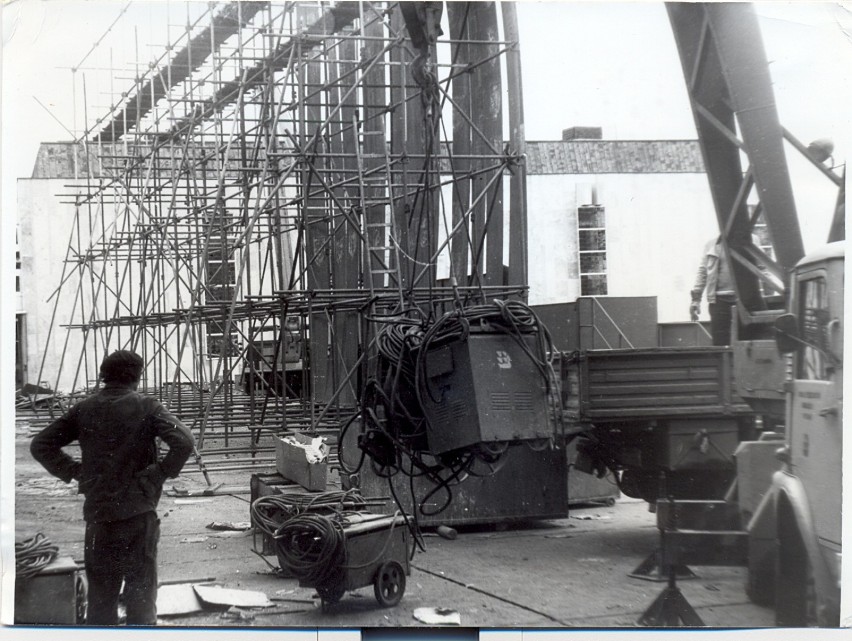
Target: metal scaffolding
column 281, row 181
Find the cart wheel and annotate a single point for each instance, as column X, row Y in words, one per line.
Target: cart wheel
column 389, row 584
column 331, row 594
column 609, row 502
column 81, row 589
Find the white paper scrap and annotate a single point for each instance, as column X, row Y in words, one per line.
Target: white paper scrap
column 177, row 599
column 437, row 616
column 216, row 595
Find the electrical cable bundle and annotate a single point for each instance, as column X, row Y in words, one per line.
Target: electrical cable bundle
column 271, row 512
column 393, row 423
column 33, row 554
column 312, row 546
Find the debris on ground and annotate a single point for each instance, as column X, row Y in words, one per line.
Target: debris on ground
column 592, row 517
column 193, row 539
column 230, row 534
column 191, row 501
column 447, row 532
column 177, row 599
column 437, row 616
column 46, row 486
column 216, row 595
column 237, row 614
column 239, row 526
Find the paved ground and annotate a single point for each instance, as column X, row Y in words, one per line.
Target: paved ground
column 559, row 573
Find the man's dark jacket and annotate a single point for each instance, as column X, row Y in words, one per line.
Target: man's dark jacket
column 118, row 474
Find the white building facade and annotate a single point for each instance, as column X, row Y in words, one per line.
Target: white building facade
column 611, row 218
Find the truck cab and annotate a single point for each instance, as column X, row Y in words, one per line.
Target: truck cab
column 800, row 516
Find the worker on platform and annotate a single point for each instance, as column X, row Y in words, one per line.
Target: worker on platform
column 122, row 480
column 714, row 279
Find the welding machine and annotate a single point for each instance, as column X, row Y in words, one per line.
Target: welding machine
column 487, row 387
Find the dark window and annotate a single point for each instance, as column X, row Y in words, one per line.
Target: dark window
column 814, row 327
column 221, row 273
column 20, row 349
column 591, row 220
column 218, row 346
column 592, row 240
column 591, row 217
column 593, row 285
column 593, row 263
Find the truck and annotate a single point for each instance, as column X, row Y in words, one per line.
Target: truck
column 788, row 345
column 795, row 534
column 748, row 435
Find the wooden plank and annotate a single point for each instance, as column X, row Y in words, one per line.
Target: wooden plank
column 662, row 404
column 399, row 145
column 487, row 113
column 664, row 412
column 518, row 237
column 663, row 374
column 668, row 386
column 458, row 15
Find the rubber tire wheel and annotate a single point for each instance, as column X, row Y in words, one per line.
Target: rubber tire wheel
column 331, row 594
column 761, row 581
column 81, row 593
column 795, row 593
column 389, row 584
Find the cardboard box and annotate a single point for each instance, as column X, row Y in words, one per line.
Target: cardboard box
column 292, row 464
column 50, row 597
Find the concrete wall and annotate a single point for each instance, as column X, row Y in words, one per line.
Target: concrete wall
column 656, row 227
column 44, row 227
column 56, row 357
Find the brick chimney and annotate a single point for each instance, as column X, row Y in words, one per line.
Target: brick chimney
column 582, row 133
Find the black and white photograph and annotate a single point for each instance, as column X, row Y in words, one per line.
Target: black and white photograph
column 351, row 315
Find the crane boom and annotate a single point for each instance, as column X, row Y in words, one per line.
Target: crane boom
column 727, row 78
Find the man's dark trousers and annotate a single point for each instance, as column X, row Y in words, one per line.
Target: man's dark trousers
column 122, row 550
column 721, row 317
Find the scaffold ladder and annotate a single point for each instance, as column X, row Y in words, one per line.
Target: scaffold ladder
column 381, row 250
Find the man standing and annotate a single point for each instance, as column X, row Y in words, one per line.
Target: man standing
column 714, row 278
column 122, row 480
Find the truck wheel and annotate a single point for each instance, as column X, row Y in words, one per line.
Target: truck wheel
column 389, row 584
column 760, row 584
column 795, row 587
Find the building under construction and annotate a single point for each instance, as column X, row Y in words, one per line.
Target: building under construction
column 281, row 183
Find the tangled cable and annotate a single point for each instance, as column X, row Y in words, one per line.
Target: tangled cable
column 33, row 554
column 270, row 512
column 312, row 547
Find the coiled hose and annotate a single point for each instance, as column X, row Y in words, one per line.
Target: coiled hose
column 269, row 512
column 33, row 554
column 312, row 547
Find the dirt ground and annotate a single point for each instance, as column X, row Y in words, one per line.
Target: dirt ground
column 570, row 572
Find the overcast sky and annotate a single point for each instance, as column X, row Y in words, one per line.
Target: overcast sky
column 612, row 65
